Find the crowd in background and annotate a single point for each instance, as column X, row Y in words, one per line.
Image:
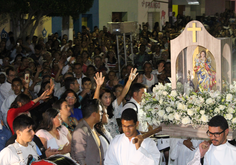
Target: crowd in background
column 62, row 71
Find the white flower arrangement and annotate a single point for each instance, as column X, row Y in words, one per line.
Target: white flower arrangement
column 169, row 106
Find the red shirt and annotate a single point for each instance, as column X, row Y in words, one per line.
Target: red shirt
column 14, row 112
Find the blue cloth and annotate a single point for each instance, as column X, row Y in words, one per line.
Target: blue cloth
column 38, row 151
column 77, row 113
column 5, row 134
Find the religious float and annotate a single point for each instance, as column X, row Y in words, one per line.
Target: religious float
column 198, row 91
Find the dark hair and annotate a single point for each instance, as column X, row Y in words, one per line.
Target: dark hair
column 64, row 95
column 17, row 80
column 91, row 66
column 47, row 123
column 117, row 86
column 77, row 64
column 85, row 79
column 18, row 55
column 129, row 114
column 22, row 59
column 110, row 107
column 42, row 88
column 57, row 105
column 161, row 61
column 38, row 47
column 68, row 81
column 89, row 106
column 145, row 63
column 22, row 122
column 68, row 73
column 9, row 69
column 98, row 57
column 136, row 87
column 22, row 98
column 218, row 121
column 84, row 51
column 45, row 76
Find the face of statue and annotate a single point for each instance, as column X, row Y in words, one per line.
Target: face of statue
column 203, row 55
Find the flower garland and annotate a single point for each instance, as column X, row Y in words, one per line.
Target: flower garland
column 167, row 106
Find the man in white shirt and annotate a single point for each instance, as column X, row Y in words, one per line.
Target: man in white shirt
column 17, row 87
column 122, row 151
column 77, row 69
column 5, row 88
column 18, row 152
column 137, row 90
column 220, row 152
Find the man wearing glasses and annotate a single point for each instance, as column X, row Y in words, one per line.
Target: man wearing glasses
column 220, row 152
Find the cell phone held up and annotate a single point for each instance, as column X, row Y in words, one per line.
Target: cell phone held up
column 27, row 78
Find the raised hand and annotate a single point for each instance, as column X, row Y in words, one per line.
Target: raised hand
column 39, row 68
column 160, row 67
column 189, row 144
column 60, row 64
column 133, row 74
column 51, row 87
column 99, row 79
column 44, row 95
column 203, row 147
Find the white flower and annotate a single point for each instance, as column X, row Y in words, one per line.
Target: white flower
column 214, row 94
column 171, row 116
column 180, row 106
column 230, row 110
column 202, row 112
column 217, row 110
column 209, row 101
column 228, row 116
column 165, row 117
column 173, row 93
column 161, row 101
column 234, row 120
column 190, row 112
column 161, row 113
column 169, row 109
column 165, row 93
column 186, row 120
column 221, row 107
column 177, row 116
column 201, row 100
column 204, row 118
column 149, row 120
column 229, row 97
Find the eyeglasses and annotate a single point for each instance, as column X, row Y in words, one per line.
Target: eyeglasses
column 68, row 98
column 216, row 134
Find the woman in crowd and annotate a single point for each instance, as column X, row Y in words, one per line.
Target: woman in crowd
column 22, row 104
column 73, row 102
column 69, row 122
column 111, row 60
column 149, row 79
column 104, row 135
column 52, row 134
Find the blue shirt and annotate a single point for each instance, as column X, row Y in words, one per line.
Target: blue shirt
column 5, row 134
column 77, row 113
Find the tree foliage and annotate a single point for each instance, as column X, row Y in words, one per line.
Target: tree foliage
column 26, row 14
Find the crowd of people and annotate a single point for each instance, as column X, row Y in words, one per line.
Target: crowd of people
column 70, row 93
